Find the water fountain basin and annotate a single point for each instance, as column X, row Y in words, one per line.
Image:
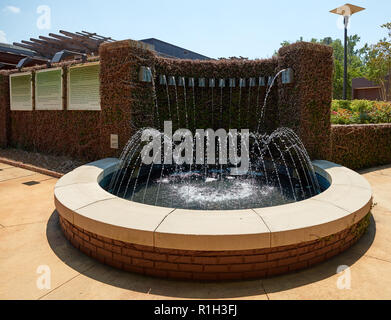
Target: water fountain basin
column 211, row 245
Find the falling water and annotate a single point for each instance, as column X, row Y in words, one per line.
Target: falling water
column 280, row 170
column 260, row 121
column 177, row 103
column 168, row 97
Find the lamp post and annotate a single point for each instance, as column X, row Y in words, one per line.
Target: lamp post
column 347, row 10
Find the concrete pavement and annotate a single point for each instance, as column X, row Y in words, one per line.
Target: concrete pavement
column 30, row 237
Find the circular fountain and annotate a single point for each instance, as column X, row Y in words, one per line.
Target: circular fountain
column 216, row 231
column 278, row 171
column 206, row 218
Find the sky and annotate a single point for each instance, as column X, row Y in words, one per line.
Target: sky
column 215, row 28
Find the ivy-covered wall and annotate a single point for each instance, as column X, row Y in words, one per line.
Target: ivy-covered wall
column 61, row 132
column 305, row 104
column 188, row 107
column 217, row 107
column 361, row 146
column 4, row 111
column 128, row 105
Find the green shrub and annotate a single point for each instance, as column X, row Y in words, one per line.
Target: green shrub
column 361, row 105
column 342, row 104
column 360, row 111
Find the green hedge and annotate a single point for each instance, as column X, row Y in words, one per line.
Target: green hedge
column 361, row 145
column 360, row 111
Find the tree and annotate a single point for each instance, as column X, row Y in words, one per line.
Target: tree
column 379, row 64
column 356, row 62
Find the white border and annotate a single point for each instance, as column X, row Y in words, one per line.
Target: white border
column 14, row 75
column 82, row 201
column 69, row 107
column 61, row 93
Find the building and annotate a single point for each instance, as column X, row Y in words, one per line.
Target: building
column 172, row 51
column 364, row 89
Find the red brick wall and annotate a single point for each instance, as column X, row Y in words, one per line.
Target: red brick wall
column 210, row 265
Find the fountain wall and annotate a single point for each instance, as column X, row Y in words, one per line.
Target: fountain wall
column 303, row 105
column 128, row 104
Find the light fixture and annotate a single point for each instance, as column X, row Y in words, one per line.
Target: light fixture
column 347, row 10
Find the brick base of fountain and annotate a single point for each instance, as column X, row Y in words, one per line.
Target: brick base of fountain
column 211, row 265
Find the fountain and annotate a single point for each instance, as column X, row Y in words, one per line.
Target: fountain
column 280, row 170
column 213, row 204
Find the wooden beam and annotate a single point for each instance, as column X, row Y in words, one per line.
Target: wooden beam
column 83, row 42
column 64, row 44
column 90, row 42
column 44, row 50
column 4, row 65
column 85, row 47
column 89, row 48
column 23, row 46
column 10, row 57
column 99, row 36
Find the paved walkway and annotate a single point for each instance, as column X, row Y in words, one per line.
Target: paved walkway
column 30, row 237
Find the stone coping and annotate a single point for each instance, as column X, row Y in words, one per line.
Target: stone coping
column 80, row 200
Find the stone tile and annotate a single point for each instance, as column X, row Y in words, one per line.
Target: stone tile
column 88, row 172
column 76, row 196
column 320, row 282
column 381, row 185
column 75, row 276
column 379, row 233
column 5, row 166
column 129, row 222
column 13, row 173
column 104, row 282
column 383, row 170
column 21, row 204
column 303, row 221
column 212, row 230
column 24, row 248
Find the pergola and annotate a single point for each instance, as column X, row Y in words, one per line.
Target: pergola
column 42, row 50
column 82, row 42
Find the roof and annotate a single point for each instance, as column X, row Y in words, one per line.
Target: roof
column 6, row 47
column 170, row 50
column 82, row 42
column 10, row 55
column 41, row 50
column 364, row 83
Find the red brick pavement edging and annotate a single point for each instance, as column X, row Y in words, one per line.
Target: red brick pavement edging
column 30, row 167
